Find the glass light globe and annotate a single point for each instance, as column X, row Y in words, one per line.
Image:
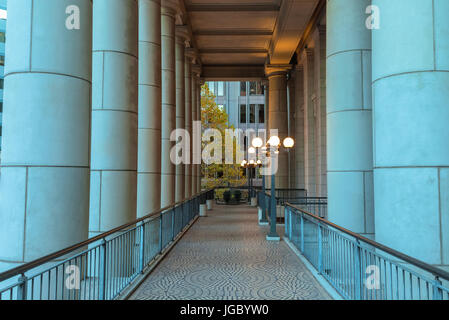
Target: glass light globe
column 288, row 142
column 257, row 142
column 259, row 161
column 274, row 141
column 251, row 161
column 251, row 150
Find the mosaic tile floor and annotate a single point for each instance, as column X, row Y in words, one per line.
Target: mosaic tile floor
column 226, row 256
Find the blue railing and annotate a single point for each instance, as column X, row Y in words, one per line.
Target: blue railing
column 102, row 267
column 359, row 268
column 315, row 205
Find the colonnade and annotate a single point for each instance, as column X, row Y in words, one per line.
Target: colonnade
column 88, row 119
column 371, row 111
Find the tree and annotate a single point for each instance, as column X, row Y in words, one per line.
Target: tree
column 214, row 117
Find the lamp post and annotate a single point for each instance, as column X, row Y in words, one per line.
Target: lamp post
column 273, row 145
column 250, row 164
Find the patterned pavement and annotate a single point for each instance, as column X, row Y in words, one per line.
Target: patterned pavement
column 225, row 257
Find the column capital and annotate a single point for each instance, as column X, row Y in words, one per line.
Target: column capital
column 196, row 70
column 183, row 35
column 298, row 67
column 321, row 29
column 169, row 7
column 192, row 54
column 276, row 69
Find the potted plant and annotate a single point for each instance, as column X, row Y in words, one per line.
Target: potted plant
column 227, row 196
column 237, row 195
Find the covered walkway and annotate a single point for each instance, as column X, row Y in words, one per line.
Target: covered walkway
column 226, row 256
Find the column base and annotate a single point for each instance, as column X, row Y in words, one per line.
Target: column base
column 203, row 210
column 273, row 238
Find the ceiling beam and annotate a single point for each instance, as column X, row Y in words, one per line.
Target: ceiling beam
column 233, row 72
column 233, row 32
column 231, row 7
column 314, row 20
column 232, row 50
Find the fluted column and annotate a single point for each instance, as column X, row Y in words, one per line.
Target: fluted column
column 181, row 37
column 349, row 120
column 149, row 137
column 44, row 183
column 168, row 170
column 188, row 124
column 278, row 116
column 411, row 131
column 114, row 114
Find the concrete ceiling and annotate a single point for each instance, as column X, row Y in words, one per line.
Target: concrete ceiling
column 246, row 35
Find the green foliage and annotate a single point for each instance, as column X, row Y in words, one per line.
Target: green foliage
column 214, row 117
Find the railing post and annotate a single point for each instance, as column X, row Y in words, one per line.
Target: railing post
column 320, row 249
column 142, row 247
column 173, row 215
column 290, row 219
column 358, row 272
column 22, row 288
column 102, row 271
column 160, row 232
column 437, row 292
column 302, row 233
column 286, row 220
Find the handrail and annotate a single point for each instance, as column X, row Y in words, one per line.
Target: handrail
column 421, row 264
column 32, row 264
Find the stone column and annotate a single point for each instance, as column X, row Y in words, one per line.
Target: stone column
column 277, row 119
column 309, row 122
column 44, row 183
column 181, row 37
column 299, row 127
column 114, row 115
column 149, row 124
column 198, row 115
column 319, row 37
column 411, row 131
column 349, row 120
column 168, row 171
column 188, row 124
column 194, row 118
column 291, row 130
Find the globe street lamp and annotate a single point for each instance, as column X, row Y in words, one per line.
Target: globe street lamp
column 273, row 145
column 250, row 164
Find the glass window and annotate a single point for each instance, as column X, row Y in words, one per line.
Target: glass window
column 242, row 89
column 252, row 113
column 252, row 88
column 211, row 86
column 256, row 88
column 243, row 113
column 220, row 88
column 261, row 113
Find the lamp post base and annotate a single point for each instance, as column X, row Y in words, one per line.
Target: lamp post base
column 263, row 223
column 273, row 238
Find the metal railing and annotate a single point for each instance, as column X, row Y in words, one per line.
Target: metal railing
column 315, row 205
column 359, row 268
column 101, row 267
